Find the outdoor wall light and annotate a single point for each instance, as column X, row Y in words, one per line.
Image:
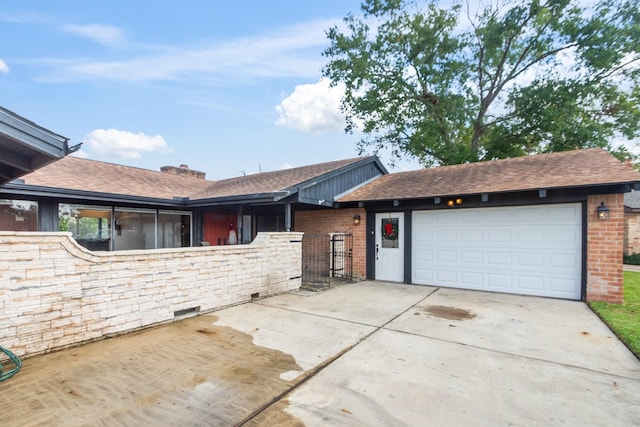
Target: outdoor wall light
column 603, row 212
column 451, row 203
column 356, row 220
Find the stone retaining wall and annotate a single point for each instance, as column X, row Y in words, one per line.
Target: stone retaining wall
column 55, row 293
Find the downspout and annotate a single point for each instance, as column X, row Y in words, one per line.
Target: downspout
column 287, row 216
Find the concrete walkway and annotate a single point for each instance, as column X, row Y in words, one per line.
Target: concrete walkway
column 630, row 267
column 366, row 354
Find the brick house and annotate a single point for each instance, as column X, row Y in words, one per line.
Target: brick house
column 527, row 225
column 548, row 225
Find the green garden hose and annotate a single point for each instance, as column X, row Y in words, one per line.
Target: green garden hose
column 5, row 375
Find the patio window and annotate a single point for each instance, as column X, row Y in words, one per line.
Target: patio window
column 174, row 229
column 134, row 229
column 90, row 226
column 247, row 229
column 18, row 215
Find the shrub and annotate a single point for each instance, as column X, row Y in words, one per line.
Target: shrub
column 631, row 259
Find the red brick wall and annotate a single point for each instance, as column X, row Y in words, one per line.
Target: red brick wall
column 604, row 249
column 338, row 221
column 631, row 233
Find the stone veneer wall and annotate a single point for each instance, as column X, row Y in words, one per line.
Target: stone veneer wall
column 604, row 249
column 54, row 293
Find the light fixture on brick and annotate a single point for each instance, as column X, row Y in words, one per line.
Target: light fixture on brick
column 603, row 212
column 356, row 220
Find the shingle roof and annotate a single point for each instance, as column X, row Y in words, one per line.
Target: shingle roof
column 269, row 182
column 73, row 173
column 591, row 167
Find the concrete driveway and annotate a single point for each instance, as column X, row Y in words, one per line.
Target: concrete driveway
column 366, row 354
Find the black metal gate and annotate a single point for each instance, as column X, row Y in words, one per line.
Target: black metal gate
column 327, row 259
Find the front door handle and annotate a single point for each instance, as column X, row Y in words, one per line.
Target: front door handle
column 377, row 250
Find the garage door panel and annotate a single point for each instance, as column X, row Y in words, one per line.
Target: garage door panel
column 529, row 260
column 499, row 282
column 530, row 215
column 563, row 237
column 567, row 261
column 528, row 236
column 422, row 275
column 499, row 259
column 566, row 214
column 446, row 276
column 447, row 256
column 562, row 285
column 498, row 216
column 535, row 250
column 471, row 279
column 529, row 284
column 441, row 218
column 499, row 235
column 443, row 237
column 471, row 257
column 472, row 237
column 426, row 237
column 423, row 256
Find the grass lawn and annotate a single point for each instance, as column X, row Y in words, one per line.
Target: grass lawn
column 624, row 320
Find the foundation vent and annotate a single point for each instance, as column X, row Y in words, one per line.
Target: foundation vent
column 186, row 313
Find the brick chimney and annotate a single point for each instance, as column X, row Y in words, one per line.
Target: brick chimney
column 182, row 170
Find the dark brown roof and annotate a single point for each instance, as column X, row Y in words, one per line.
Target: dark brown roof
column 270, row 182
column 578, row 168
column 73, row 173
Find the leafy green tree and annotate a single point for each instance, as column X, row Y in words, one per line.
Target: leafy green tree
column 468, row 82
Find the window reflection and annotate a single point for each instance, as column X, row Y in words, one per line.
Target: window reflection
column 134, row 229
column 18, row 215
column 89, row 225
column 174, row 229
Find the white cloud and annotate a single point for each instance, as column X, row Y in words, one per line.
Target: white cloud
column 124, row 145
column 286, row 166
column 22, row 17
column 104, row 34
column 291, row 51
column 313, row 108
column 4, row 68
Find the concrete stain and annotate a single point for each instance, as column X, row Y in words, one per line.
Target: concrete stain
column 192, row 372
column 449, row 313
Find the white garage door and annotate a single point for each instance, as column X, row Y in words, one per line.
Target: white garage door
column 531, row 250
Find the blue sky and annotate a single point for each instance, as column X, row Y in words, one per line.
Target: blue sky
column 224, row 87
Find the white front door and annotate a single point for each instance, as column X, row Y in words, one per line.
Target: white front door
column 389, row 250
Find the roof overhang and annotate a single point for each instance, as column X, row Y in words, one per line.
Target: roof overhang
column 603, row 188
column 25, row 146
column 245, row 199
column 18, row 189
